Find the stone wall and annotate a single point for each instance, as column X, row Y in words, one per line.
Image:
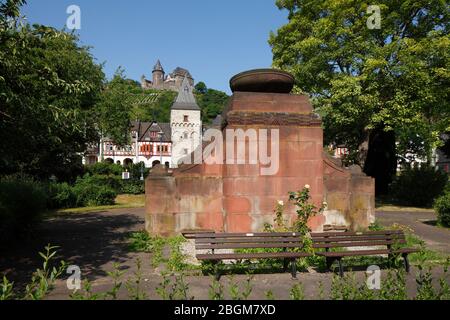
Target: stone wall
column 350, row 195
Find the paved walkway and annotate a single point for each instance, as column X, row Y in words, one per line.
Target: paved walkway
column 423, row 224
column 96, row 241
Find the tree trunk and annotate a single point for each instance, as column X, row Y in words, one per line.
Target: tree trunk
column 381, row 161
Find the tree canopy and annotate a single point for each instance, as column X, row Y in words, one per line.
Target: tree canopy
column 381, row 91
column 49, row 86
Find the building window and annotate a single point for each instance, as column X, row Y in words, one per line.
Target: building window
column 186, row 118
column 163, row 149
column 154, row 134
column 185, row 151
column 185, row 135
column 146, row 148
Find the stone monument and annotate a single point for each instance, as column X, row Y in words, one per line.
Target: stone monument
column 240, row 196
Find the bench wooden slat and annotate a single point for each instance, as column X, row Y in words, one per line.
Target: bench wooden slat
column 246, row 235
column 356, row 244
column 249, row 240
column 247, row 246
column 332, row 234
column 356, row 239
column 249, row 256
column 364, row 252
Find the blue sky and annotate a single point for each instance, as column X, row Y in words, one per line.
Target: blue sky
column 212, row 39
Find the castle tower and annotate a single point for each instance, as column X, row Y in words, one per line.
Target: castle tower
column 158, row 75
column 186, row 123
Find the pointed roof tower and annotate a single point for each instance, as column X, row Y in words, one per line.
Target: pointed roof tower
column 185, row 99
column 158, row 66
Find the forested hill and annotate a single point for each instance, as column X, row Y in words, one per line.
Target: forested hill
column 149, row 105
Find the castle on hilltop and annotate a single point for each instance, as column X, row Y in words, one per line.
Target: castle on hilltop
column 161, row 81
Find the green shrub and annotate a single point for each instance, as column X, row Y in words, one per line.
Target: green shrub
column 21, row 202
column 103, row 168
column 60, row 195
column 442, row 207
column 95, row 191
column 419, row 186
column 132, row 187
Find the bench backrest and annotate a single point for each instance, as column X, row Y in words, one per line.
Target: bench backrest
column 330, row 240
column 216, row 241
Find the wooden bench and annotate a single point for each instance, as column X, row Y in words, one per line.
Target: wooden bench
column 226, row 241
column 389, row 240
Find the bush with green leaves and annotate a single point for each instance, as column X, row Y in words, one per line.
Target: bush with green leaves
column 419, row 186
column 60, row 196
column 132, row 187
column 22, row 200
column 95, row 191
column 104, row 168
column 442, row 207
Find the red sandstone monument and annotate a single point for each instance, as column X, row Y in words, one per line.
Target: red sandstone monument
column 232, row 197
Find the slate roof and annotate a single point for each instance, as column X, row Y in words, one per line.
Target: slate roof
column 145, row 130
column 181, row 72
column 158, row 66
column 185, row 99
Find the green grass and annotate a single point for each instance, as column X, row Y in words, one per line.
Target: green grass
column 123, row 201
column 385, row 204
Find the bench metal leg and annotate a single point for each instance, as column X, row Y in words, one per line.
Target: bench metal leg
column 285, row 264
column 216, row 271
column 329, row 262
column 294, row 269
column 341, row 269
column 407, row 266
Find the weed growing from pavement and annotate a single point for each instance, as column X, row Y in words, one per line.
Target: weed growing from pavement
column 216, row 290
column 173, row 287
column 42, row 281
column 297, row 292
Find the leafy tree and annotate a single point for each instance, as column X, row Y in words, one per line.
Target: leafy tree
column 201, row 88
column 49, row 86
column 211, row 102
column 114, row 110
column 374, row 87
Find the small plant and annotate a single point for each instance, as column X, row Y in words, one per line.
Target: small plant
column 177, row 259
column 297, row 292
column 176, row 289
column 425, row 288
column 305, row 210
column 216, row 290
column 394, row 286
column 134, row 285
column 269, row 295
column 235, row 291
column 6, row 290
column 43, row 279
column 115, row 275
column 87, row 293
column 321, row 294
